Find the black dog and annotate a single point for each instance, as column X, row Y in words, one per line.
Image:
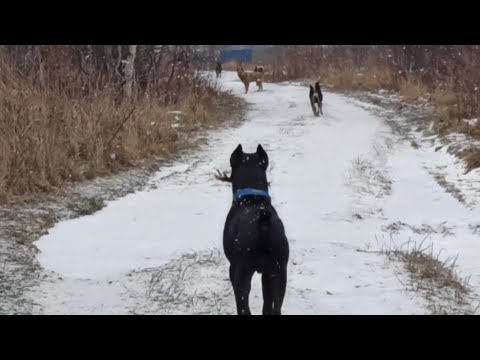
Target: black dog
column 218, row 70
column 254, row 238
column 316, row 98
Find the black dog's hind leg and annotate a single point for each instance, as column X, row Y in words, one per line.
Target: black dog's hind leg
column 242, row 278
column 267, row 295
column 279, row 286
column 274, row 284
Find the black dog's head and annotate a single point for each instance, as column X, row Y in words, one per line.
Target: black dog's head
column 249, row 170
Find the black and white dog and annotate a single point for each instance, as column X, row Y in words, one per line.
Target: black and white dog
column 316, row 99
column 254, row 237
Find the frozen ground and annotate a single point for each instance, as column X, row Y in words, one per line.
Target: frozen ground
column 345, row 186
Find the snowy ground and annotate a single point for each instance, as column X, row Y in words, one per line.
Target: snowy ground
column 344, row 185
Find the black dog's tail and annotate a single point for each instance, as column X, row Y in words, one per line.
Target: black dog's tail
column 264, row 227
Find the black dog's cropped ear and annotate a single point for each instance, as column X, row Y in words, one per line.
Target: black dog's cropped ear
column 262, row 157
column 236, row 156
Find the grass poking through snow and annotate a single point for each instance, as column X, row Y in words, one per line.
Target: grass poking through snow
column 445, row 291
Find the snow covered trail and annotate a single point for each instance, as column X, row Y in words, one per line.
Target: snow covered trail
column 338, row 181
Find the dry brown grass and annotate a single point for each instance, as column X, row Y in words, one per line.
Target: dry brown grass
column 451, row 108
column 473, row 160
column 474, row 130
column 445, row 105
column 412, row 90
column 369, row 79
column 337, row 75
column 233, row 66
column 426, row 267
column 50, row 136
column 437, row 280
column 372, row 78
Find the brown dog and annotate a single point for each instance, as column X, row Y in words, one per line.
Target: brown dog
column 247, row 77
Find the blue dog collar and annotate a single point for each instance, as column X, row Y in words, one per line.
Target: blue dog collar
column 245, row 192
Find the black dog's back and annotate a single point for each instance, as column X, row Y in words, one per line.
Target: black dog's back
column 255, row 233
